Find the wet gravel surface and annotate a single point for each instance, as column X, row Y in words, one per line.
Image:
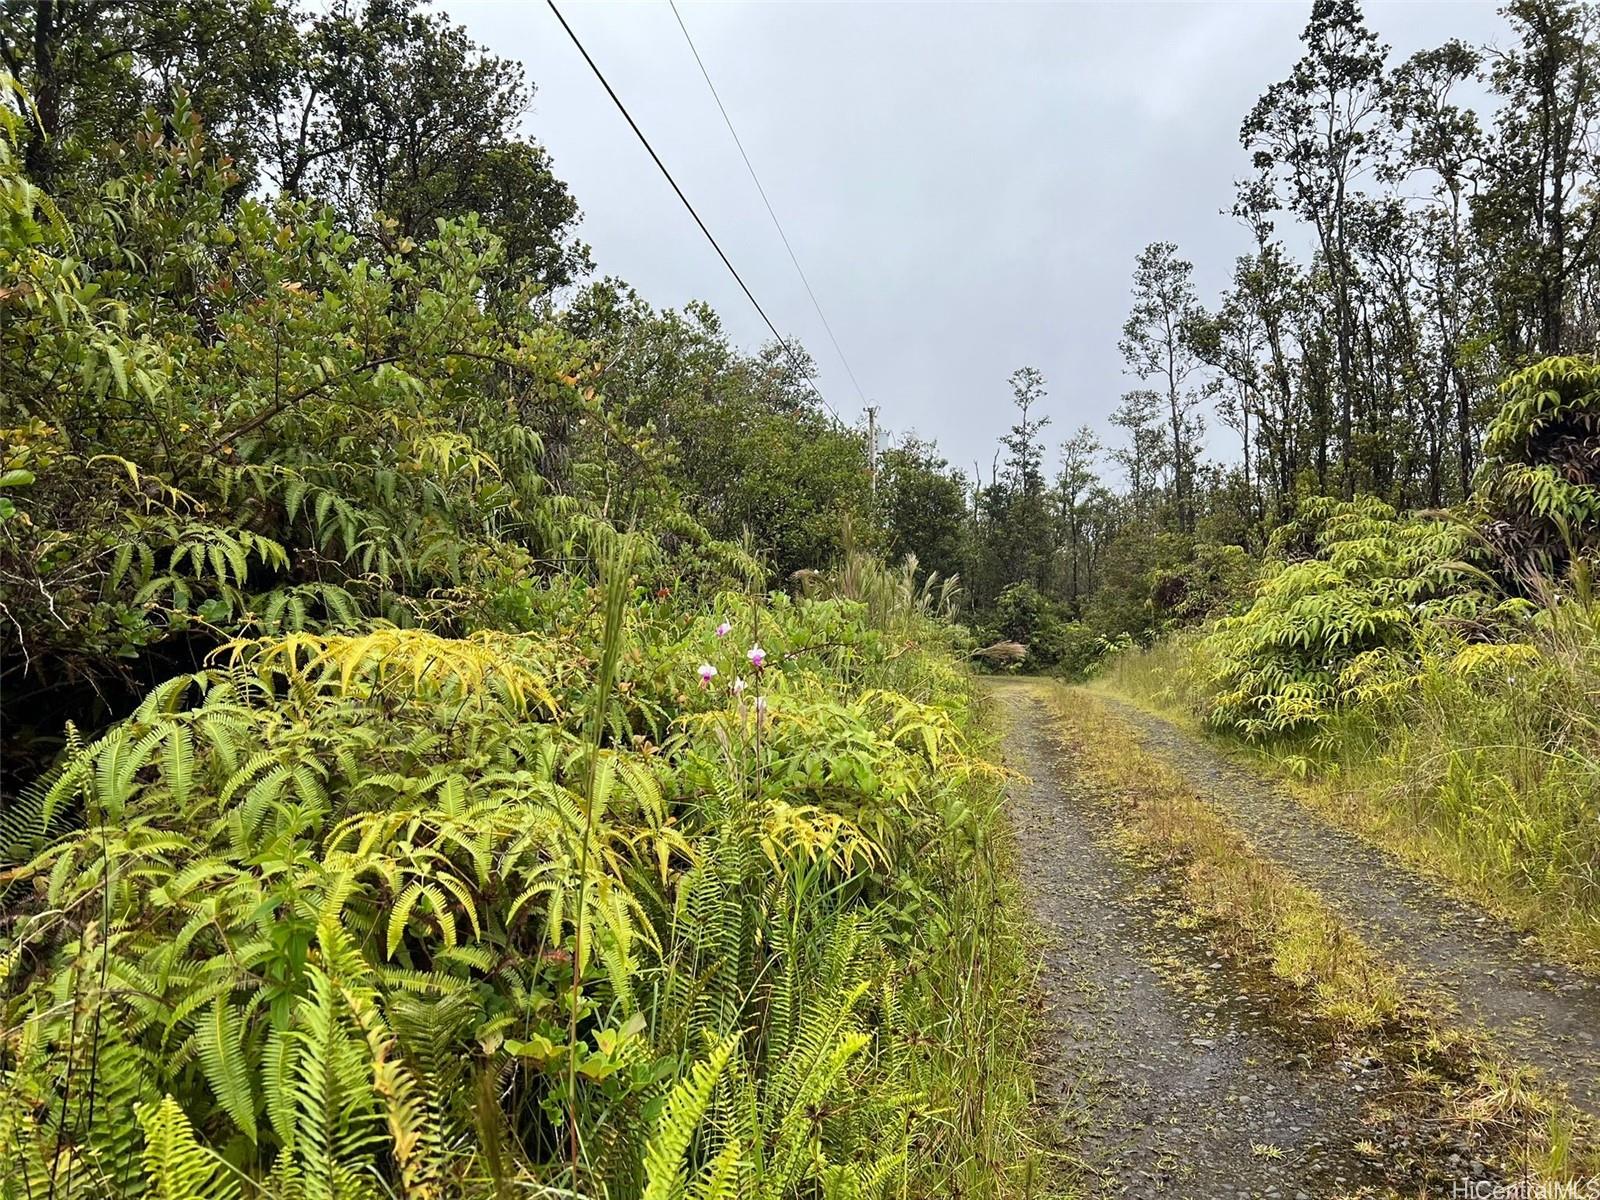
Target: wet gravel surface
column 1177, row 1073
column 1539, row 1013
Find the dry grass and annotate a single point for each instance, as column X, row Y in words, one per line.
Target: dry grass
column 1486, row 781
column 1265, row 919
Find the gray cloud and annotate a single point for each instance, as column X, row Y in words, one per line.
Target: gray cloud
column 966, row 185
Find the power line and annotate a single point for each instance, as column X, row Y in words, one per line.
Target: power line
column 662, row 167
column 756, row 179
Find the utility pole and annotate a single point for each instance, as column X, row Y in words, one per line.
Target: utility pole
column 872, row 448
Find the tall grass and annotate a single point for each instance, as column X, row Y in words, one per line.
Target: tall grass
column 1166, row 676
column 1488, row 769
column 1481, row 763
column 969, row 998
column 968, row 995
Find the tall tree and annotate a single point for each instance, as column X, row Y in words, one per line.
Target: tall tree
column 396, row 110
column 91, row 67
column 1312, row 137
column 1443, row 141
column 1157, row 343
column 369, row 105
column 1231, row 342
column 1073, row 483
column 1028, row 515
column 1012, row 518
column 1537, row 212
column 1145, row 454
column 1025, row 464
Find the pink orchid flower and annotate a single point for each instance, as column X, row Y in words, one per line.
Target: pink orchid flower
column 707, row 674
column 757, row 657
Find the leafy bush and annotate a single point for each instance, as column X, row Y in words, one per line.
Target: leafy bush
column 1152, row 581
column 1021, row 610
column 344, row 433
column 1351, row 593
column 1539, row 486
column 1215, row 579
column 1357, row 594
column 1024, row 614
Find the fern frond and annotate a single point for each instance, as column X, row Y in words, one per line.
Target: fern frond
column 226, row 1069
column 666, row 1151
column 176, row 1166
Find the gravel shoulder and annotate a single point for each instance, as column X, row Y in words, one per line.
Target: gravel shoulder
column 1182, row 1073
column 1538, row 1013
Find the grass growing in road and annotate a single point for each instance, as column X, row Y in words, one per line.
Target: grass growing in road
column 1483, row 775
column 1262, row 913
column 1453, row 1080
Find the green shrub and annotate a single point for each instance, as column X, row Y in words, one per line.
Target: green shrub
column 348, row 435
column 1121, row 602
column 1355, row 594
column 1539, row 486
column 1497, row 750
column 1214, row 580
column 1054, row 641
column 1351, row 592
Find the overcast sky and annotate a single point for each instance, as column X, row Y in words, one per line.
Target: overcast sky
column 965, row 185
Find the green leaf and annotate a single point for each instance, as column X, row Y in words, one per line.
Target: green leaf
column 223, row 1061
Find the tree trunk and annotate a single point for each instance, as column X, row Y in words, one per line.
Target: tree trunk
column 46, row 95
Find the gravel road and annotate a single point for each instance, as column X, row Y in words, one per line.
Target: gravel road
column 1540, row 1013
column 1178, row 1068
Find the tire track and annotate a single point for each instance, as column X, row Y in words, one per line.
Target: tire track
column 1539, row 1013
column 1173, row 1061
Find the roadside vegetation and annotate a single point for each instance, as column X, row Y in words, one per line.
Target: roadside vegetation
column 1419, row 231
column 1436, row 674
column 413, row 784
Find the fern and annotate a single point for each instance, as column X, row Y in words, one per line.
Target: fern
column 226, row 1068
column 666, row 1151
column 721, row 1178
column 176, row 1166
column 334, row 1103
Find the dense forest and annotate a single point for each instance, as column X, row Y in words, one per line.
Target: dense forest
column 469, row 731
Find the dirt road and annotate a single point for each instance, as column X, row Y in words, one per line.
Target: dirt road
column 1538, row 1012
column 1180, row 1072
